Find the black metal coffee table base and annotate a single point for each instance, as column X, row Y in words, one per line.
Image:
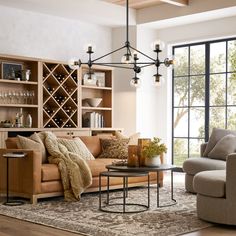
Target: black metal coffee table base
column 14, row 203
column 125, row 175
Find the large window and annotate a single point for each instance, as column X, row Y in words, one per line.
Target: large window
column 204, row 94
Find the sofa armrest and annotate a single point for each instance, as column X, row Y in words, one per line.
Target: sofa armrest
column 25, row 173
column 202, row 149
column 231, row 176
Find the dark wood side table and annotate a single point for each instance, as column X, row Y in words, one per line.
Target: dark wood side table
column 12, row 155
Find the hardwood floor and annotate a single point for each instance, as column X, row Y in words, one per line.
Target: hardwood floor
column 14, row 227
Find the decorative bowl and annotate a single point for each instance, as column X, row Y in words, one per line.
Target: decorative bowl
column 93, row 102
column 6, row 125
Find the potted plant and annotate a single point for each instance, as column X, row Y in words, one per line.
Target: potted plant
column 153, row 151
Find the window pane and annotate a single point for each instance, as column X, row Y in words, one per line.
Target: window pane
column 180, row 122
column 181, row 57
column 197, row 121
column 217, row 117
column 181, row 91
column 231, row 89
column 197, row 91
column 218, row 57
column 231, row 118
column 232, row 55
column 180, row 151
column 194, row 147
column 217, row 90
column 197, row 59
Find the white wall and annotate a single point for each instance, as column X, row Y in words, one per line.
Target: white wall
column 33, row 34
column 124, row 96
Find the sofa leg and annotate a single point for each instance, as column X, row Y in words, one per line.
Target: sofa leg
column 33, row 199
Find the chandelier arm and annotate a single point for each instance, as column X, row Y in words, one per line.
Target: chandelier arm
column 112, row 65
column 142, row 53
column 108, row 54
column 146, row 65
column 122, row 63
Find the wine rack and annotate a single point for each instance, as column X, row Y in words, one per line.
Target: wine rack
column 60, row 96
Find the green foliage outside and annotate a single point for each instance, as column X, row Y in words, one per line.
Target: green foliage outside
column 182, row 98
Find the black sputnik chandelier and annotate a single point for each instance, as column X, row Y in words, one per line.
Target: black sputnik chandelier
column 128, row 61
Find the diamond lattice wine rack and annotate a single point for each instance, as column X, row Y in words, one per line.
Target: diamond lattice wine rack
column 60, row 96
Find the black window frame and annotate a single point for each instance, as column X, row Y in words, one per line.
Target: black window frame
column 207, row 105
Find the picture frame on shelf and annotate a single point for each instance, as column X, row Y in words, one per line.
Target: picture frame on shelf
column 100, row 79
column 11, row 71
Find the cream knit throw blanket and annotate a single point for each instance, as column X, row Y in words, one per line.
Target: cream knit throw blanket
column 75, row 173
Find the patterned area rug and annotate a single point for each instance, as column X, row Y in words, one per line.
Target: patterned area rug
column 84, row 217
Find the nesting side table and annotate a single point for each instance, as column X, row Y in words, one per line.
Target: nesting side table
column 124, row 204
column 8, row 156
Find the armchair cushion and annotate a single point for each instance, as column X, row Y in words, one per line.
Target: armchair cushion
column 223, row 147
column 194, row 165
column 216, row 135
column 210, row 183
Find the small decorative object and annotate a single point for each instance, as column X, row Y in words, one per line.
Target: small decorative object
column 28, row 121
column 100, row 79
column 133, row 160
column 18, row 120
column 89, row 79
column 93, row 102
column 142, row 142
column 25, row 75
column 11, row 71
column 6, row 124
column 153, row 151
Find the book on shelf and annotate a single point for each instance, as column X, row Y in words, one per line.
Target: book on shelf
column 93, row 120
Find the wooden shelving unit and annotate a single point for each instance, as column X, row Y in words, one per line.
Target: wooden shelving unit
column 102, row 89
column 56, row 101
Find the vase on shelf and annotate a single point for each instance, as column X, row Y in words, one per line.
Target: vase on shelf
column 28, row 121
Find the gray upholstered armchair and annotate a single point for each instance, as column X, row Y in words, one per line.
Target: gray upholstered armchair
column 192, row 166
column 216, row 193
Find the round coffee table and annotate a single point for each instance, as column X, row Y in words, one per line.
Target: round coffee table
column 157, row 169
column 125, row 175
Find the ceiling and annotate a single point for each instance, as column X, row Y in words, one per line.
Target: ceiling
column 140, row 4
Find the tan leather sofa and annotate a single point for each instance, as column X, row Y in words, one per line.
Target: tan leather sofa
column 29, row 178
column 216, row 193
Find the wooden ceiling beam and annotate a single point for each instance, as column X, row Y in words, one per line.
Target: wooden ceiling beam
column 179, row 3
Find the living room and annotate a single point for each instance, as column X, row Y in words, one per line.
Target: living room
column 198, row 34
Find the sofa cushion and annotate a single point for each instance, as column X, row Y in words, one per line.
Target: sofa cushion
column 194, row 165
column 210, row 183
column 114, row 148
column 98, row 165
column 50, row 172
column 93, row 144
column 223, row 147
column 32, row 142
column 133, row 139
column 216, row 135
column 76, row 146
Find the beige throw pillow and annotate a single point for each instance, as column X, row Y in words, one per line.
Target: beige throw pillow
column 216, row 135
column 114, row 148
column 133, row 139
column 223, row 148
column 77, row 146
column 32, row 142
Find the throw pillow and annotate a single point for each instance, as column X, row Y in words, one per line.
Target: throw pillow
column 223, row 148
column 32, row 142
column 133, row 139
column 216, row 135
column 114, row 148
column 76, row 146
